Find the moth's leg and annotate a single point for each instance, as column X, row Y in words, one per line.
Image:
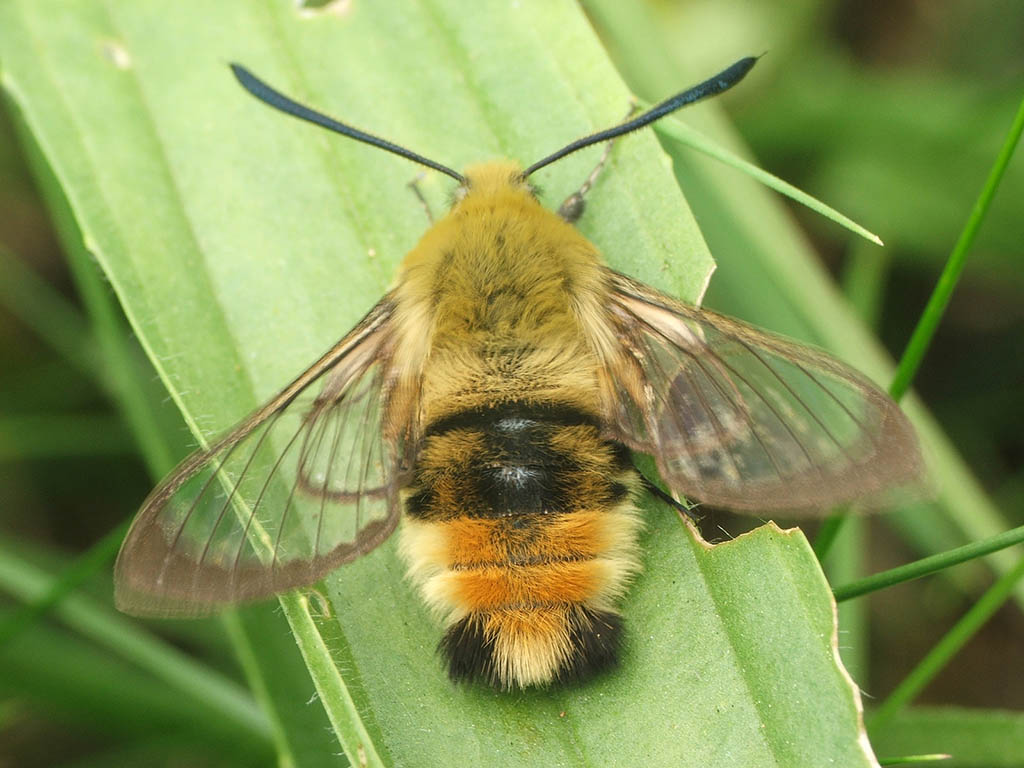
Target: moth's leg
column 414, row 185
column 655, row 490
column 574, row 204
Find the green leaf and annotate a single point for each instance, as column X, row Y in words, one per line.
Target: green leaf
column 869, row 134
column 927, row 565
column 280, row 681
column 939, row 300
column 948, row 645
column 241, row 244
column 976, row 738
column 914, row 759
column 674, row 129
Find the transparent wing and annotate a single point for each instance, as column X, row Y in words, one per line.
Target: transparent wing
column 302, row 485
column 738, row 418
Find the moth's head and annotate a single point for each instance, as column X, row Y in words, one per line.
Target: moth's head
column 498, row 178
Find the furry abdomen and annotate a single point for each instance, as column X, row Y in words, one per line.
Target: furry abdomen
column 520, row 528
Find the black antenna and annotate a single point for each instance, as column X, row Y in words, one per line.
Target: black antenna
column 723, row 81
column 278, row 100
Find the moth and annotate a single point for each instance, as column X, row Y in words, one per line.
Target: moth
column 492, row 401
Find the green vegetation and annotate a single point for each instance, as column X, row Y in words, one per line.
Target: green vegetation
column 215, row 248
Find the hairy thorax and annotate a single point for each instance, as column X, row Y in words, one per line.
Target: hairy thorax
column 499, row 292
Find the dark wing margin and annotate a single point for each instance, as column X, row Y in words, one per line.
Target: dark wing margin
column 306, row 483
column 738, row 418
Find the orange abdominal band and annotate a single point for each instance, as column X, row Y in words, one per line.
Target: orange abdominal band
column 477, row 542
column 491, row 587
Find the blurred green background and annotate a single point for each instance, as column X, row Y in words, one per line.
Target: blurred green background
column 890, row 111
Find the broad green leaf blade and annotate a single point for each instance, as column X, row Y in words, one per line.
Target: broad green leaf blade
column 242, row 244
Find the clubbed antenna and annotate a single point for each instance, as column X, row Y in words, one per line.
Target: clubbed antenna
column 723, row 81
column 278, row 100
